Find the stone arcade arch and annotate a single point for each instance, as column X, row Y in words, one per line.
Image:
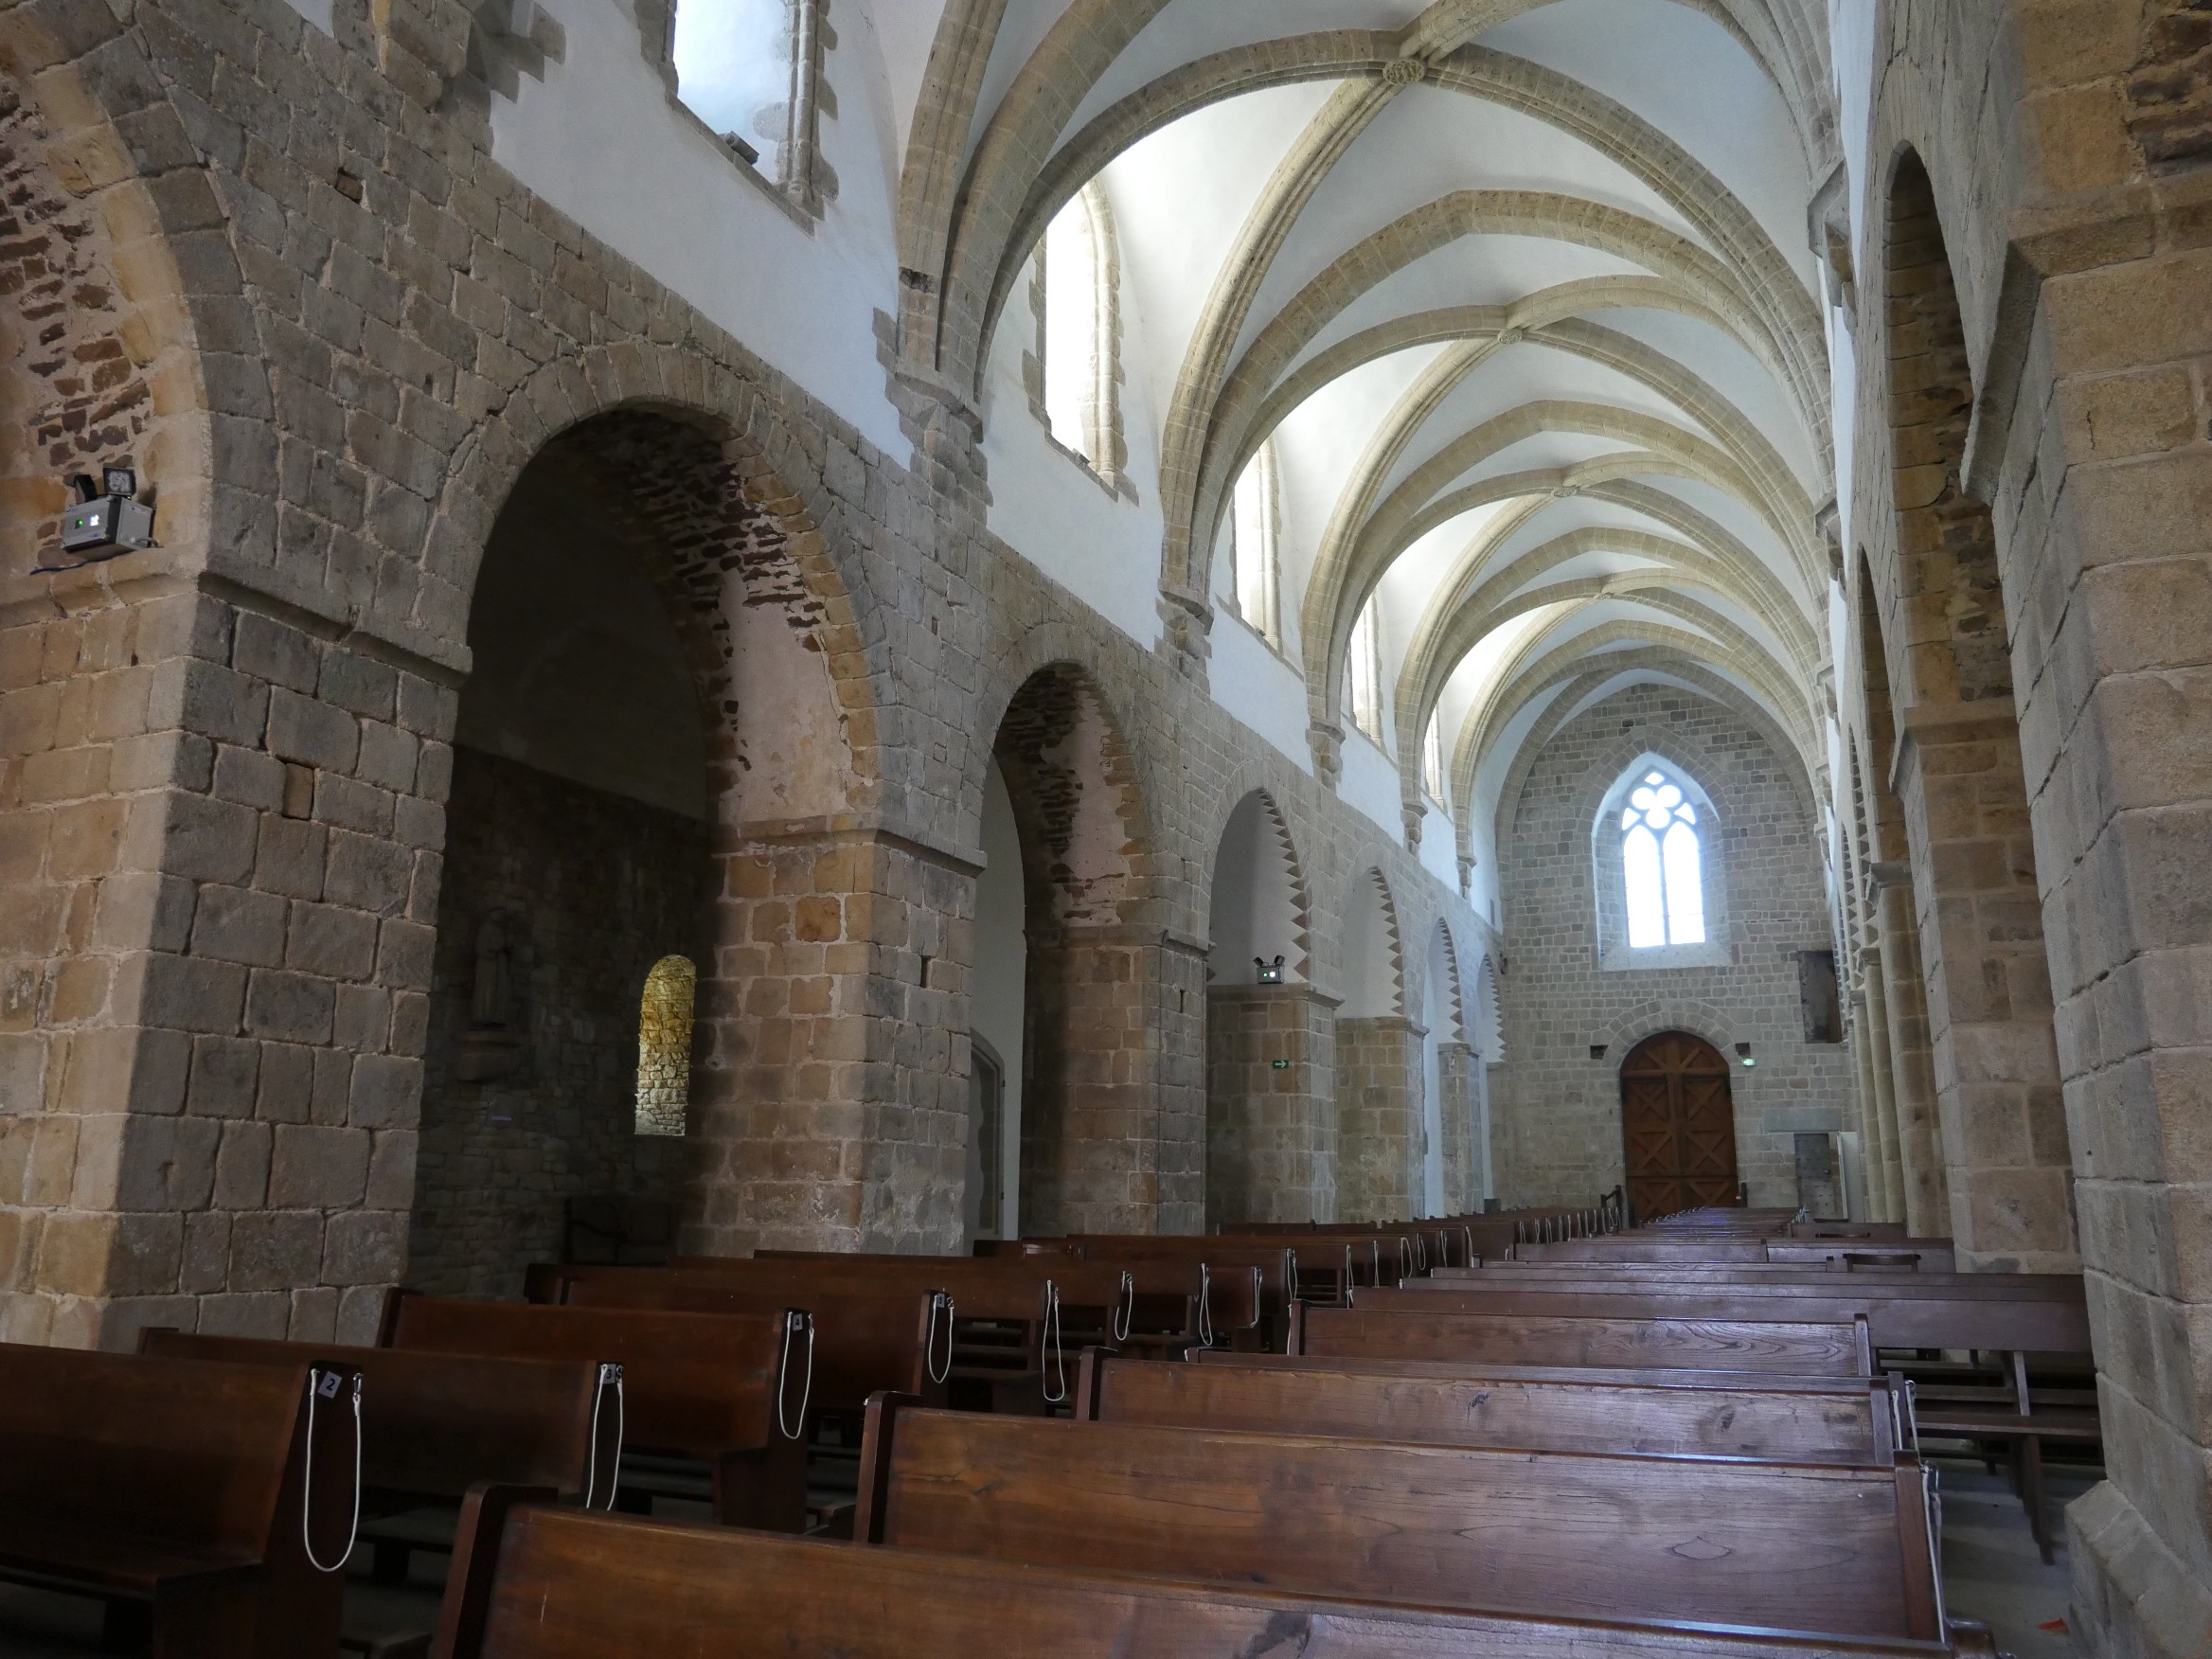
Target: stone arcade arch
column 1271, row 1038
column 1959, row 776
column 1102, row 1151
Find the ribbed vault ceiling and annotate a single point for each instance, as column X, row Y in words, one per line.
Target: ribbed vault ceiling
column 1519, row 292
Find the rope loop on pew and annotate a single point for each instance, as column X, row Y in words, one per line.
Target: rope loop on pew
column 609, row 1372
column 320, row 1379
column 1125, row 1311
column 1205, row 1310
column 793, row 1321
column 929, row 1342
column 1052, row 1336
column 1291, row 1261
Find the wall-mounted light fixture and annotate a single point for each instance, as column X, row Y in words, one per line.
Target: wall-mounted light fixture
column 1270, row 972
column 1744, row 1053
column 105, row 519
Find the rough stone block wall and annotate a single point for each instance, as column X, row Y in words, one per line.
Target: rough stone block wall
column 1271, row 1138
column 588, row 890
column 1556, row 1114
column 1379, row 1138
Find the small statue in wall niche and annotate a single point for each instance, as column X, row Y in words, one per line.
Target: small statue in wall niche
column 491, row 994
column 491, row 1048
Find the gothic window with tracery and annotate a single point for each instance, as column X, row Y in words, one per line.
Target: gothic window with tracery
column 664, row 1046
column 1662, row 864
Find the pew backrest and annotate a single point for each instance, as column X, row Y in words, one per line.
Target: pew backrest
column 530, row 1582
column 1797, row 1545
column 694, row 1384
column 1797, row 1347
column 1843, row 1423
column 434, row 1424
column 1899, row 1317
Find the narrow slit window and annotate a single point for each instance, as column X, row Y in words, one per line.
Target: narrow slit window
column 664, row 1046
column 1366, row 673
column 1662, row 864
column 1433, row 759
column 1252, row 525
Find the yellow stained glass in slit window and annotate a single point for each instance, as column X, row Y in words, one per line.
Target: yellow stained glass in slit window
column 664, row 1046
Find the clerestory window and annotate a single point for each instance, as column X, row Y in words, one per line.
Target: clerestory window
column 1255, row 521
column 1074, row 371
column 1661, row 865
column 753, row 71
column 1364, row 671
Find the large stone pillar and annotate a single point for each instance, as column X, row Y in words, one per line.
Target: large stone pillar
column 1884, row 1180
column 1459, row 1109
column 1989, row 988
column 1927, row 1204
column 1113, row 1099
column 1379, row 1118
column 1271, row 1105
column 830, row 1096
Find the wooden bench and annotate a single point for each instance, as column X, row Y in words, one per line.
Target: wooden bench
column 1901, row 1314
column 726, row 1391
column 1015, row 1340
column 549, row 1583
column 1161, row 1303
column 1855, row 1421
column 863, row 1342
column 1791, row 1347
column 1932, row 1255
column 185, row 1495
column 1237, row 1285
column 1798, row 1545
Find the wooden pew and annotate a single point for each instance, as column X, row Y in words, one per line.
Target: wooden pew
column 1237, row 1284
column 1843, row 1421
column 1803, row 1545
column 1790, row 1348
column 1900, row 1315
column 1011, row 1334
column 863, row 1342
column 726, row 1391
column 1160, row 1302
column 208, row 1506
column 549, row 1583
column 1933, row 1255
column 434, row 1424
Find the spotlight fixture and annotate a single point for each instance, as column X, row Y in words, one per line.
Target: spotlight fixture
column 106, row 519
column 1270, row 972
column 1744, row 1053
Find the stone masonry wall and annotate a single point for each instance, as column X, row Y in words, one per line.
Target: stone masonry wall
column 589, row 890
column 1556, row 1113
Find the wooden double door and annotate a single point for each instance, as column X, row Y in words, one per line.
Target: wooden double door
column 1677, row 1125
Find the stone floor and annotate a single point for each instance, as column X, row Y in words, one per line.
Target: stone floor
column 1990, row 1568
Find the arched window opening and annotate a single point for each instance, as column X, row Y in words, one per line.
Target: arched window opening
column 1075, row 374
column 1662, row 864
column 664, row 1046
column 752, row 71
column 1433, row 759
column 1365, row 670
column 1255, row 522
